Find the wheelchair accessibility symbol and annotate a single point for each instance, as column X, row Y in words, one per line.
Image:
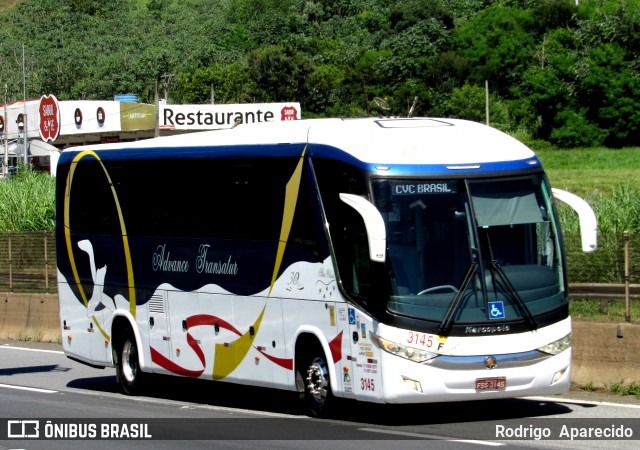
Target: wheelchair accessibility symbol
column 496, row 310
column 352, row 316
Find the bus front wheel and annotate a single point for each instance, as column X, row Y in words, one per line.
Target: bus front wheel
column 314, row 376
column 127, row 362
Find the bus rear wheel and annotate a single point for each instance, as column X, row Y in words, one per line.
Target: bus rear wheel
column 128, row 372
column 314, row 375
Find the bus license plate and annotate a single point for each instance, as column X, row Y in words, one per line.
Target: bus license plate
column 483, row 384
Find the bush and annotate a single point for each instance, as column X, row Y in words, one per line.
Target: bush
column 573, row 130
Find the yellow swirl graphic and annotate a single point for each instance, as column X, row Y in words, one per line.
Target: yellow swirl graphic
column 228, row 357
column 123, row 230
column 290, row 200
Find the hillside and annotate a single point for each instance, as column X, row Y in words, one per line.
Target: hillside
column 558, row 74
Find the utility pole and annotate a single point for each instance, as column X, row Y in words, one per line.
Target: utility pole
column 157, row 109
column 24, row 98
column 5, row 135
column 486, row 99
column 166, row 82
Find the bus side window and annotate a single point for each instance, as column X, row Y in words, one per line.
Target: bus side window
column 306, row 230
column 92, row 206
column 346, row 227
column 212, row 198
column 352, row 253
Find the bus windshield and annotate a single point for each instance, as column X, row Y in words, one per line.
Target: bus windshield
column 471, row 251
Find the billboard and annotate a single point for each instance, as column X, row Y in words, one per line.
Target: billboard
column 137, row 116
column 211, row 117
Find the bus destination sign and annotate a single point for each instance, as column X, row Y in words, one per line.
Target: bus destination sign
column 422, row 187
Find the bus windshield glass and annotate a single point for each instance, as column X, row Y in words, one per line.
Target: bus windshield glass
column 471, row 251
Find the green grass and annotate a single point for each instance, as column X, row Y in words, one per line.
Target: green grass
column 6, row 5
column 27, row 202
column 589, row 172
column 594, row 309
column 609, row 180
column 622, row 389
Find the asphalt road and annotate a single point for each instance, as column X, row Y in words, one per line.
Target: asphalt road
column 37, row 382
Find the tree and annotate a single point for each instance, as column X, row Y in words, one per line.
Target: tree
column 231, row 84
column 497, row 45
column 279, row 73
column 564, row 73
column 611, row 92
column 469, row 102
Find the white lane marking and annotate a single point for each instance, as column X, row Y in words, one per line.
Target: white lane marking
column 24, row 388
column 432, row 436
column 11, row 347
column 574, row 401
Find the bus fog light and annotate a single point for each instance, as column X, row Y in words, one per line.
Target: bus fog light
column 412, row 384
column 558, row 375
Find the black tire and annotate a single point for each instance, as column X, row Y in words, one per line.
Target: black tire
column 313, row 378
column 128, row 372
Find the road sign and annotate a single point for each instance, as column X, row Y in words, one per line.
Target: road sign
column 49, row 118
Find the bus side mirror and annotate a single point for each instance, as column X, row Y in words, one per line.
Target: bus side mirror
column 588, row 221
column 373, row 222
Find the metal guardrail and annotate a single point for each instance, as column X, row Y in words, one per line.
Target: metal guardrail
column 603, row 290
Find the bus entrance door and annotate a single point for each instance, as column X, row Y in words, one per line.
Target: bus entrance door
column 367, row 381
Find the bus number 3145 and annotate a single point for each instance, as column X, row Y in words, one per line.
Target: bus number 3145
column 367, row 384
column 425, row 340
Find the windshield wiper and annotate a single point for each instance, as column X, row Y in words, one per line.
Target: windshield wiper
column 502, row 281
column 447, row 322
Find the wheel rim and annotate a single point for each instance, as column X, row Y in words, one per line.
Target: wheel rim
column 317, row 380
column 129, row 361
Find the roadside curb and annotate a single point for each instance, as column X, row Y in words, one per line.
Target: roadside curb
column 33, row 317
column 605, row 354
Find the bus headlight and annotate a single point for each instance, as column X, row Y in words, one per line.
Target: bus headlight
column 558, row 346
column 410, row 353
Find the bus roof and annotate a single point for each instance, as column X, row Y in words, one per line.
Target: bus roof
column 370, row 140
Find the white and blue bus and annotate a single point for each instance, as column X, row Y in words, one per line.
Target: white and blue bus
column 386, row 260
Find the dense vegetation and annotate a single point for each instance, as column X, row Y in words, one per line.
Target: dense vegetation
column 557, row 72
